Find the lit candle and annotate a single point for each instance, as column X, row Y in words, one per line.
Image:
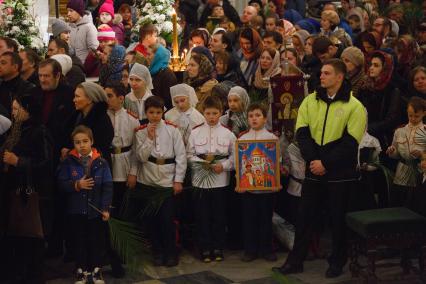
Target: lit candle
column 175, row 44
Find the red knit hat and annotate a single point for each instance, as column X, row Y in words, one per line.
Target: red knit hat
column 107, row 7
column 105, row 32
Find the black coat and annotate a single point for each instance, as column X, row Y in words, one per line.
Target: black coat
column 60, row 113
column 384, row 112
column 229, row 10
column 35, row 160
column 13, row 88
column 76, row 75
column 100, row 123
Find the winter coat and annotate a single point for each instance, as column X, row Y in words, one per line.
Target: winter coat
column 92, row 64
column 97, row 120
column 384, row 112
column 13, row 88
column 77, row 201
column 84, row 36
column 35, row 151
column 59, row 114
column 162, row 81
column 204, row 91
column 330, row 131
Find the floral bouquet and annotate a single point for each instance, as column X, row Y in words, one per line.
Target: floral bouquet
column 157, row 12
column 18, row 23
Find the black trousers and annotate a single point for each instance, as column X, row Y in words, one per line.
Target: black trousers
column 88, row 241
column 337, row 197
column 210, row 217
column 234, row 215
column 257, row 222
column 117, row 198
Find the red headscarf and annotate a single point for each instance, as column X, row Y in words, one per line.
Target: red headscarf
column 385, row 76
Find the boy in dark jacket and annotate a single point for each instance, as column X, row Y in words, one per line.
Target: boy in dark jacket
column 86, row 179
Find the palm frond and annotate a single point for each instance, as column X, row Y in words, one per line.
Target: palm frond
column 420, row 136
column 202, row 174
column 129, row 243
column 389, row 175
column 282, row 279
column 154, row 201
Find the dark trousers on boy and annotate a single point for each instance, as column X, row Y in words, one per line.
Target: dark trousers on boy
column 257, row 222
column 210, row 215
column 88, row 238
column 337, row 197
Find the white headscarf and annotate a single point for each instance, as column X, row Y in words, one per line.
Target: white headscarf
column 142, row 72
column 184, row 90
column 242, row 94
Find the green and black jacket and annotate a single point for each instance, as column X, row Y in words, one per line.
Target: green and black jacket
column 330, row 130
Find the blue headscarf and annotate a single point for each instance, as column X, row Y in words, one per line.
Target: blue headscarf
column 160, row 61
column 307, row 26
column 112, row 71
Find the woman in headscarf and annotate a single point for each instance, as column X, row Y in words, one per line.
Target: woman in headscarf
column 286, row 29
column 330, row 27
column 112, row 61
column 162, row 77
column 381, row 98
column 90, row 101
column 236, row 116
column 183, row 113
column 369, row 42
column 269, row 65
column 141, row 85
column 228, row 70
column 407, row 51
column 250, row 48
column 200, row 76
column 356, row 21
column 27, row 171
column 299, row 40
column 354, row 60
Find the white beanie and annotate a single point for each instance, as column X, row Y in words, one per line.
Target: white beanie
column 65, row 61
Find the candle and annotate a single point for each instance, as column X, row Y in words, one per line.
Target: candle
column 175, row 44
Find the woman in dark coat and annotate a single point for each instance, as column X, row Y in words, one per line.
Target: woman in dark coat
column 381, row 98
column 27, row 171
column 90, row 101
column 162, row 77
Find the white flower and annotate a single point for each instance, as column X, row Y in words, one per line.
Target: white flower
column 15, row 29
column 9, row 17
column 148, row 5
column 167, row 27
column 160, row 7
column 162, row 18
column 33, row 29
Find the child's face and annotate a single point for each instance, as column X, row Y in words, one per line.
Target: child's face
column 105, row 17
column 256, row 119
column 218, row 12
column 234, row 103
column 127, row 15
column 125, row 78
column 414, row 117
column 104, row 43
column 136, row 83
column 270, row 24
column 154, row 114
column 182, row 103
column 82, row 143
column 212, row 115
column 354, row 23
column 114, row 103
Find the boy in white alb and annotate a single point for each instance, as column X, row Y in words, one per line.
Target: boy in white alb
column 160, row 149
column 124, row 163
column 140, row 82
column 183, row 113
column 210, row 150
column 257, row 205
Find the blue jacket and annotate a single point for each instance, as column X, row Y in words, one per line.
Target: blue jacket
column 71, row 170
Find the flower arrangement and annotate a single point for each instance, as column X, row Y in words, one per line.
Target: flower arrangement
column 157, row 12
column 18, row 23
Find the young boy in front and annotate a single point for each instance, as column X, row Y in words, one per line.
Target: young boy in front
column 210, row 150
column 160, row 149
column 85, row 178
column 257, row 205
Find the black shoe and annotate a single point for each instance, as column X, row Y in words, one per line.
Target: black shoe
column 158, row 259
column 172, row 261
column 248, row 257
column 288, row 269
column 218, row 255
column 206, row 257
column 333, row 271
column 272, row 257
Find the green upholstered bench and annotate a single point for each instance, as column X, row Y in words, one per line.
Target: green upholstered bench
column 398, row 228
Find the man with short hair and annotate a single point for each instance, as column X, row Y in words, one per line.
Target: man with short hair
column 220, row 41
column 273, row 40
column 12, row 85
column 76, row 74
column 30, row 61
column 249, row 13
column 330, row 125
column 7, row 44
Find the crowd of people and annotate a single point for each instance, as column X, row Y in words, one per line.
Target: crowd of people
column 101, row 120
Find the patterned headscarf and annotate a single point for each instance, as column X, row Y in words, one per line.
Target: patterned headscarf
column 205, row 71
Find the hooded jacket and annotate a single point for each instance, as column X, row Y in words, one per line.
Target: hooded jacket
column 330, row 130
column 84, row 36
column 77, row 201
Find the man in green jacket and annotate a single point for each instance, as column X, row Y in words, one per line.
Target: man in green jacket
column 330, row 126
